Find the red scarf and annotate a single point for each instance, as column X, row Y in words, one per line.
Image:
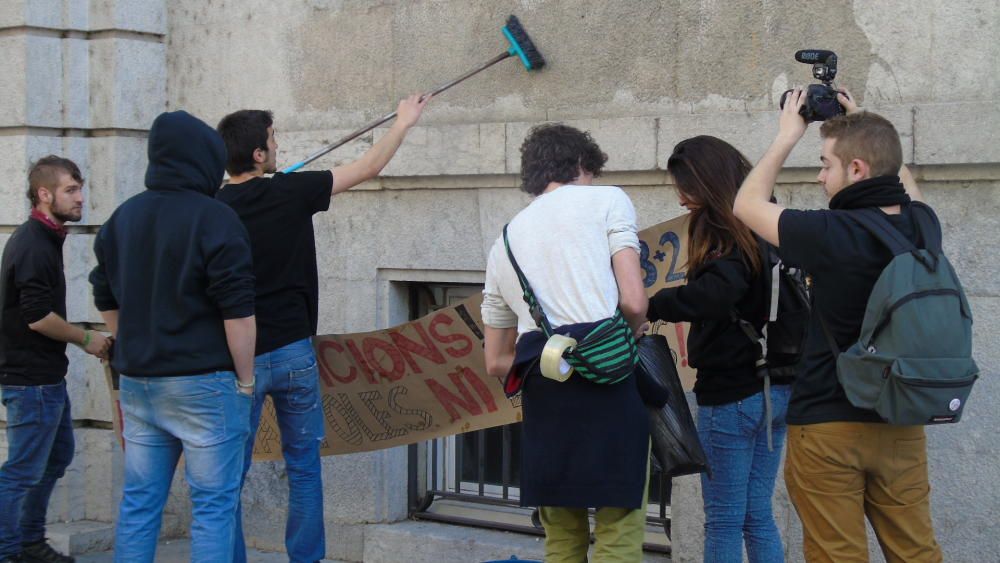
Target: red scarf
column 45, row 220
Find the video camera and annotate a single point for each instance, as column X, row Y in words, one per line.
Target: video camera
column 821, row 99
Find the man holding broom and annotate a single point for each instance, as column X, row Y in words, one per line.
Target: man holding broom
column 277, row 211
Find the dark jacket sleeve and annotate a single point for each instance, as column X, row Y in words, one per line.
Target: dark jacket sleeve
column 104, row 300
column 711, row 294
column 34, row 273
column 229, row 266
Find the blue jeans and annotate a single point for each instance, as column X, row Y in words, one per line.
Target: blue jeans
column 39, row 449
column 290, row 376
column 205, row 418
column 738, row 495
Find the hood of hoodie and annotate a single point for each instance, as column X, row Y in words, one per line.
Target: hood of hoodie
column 184, row 154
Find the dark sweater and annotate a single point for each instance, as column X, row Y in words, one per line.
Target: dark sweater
column 32, row 285
column 174, row 261
column 721, row 352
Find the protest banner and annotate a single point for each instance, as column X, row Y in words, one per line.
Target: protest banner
column 427, row 378
column 663, row 256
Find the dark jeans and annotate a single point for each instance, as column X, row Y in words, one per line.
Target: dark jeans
column 39, row 448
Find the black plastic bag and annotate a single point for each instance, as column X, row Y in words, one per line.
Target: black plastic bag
column 676, row 447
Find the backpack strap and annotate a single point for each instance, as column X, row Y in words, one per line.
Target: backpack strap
column 534, row 307
column 875, row 223
column 928, row 226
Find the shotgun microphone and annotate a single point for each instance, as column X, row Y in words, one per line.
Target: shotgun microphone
column 810, row 56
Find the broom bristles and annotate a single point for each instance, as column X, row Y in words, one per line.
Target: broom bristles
column 521, row 44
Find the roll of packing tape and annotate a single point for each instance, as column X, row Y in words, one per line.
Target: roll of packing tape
column 552, row 363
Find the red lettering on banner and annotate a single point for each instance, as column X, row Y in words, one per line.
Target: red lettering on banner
column 449, row 400
column 454, row 352
column 481, row 389
column 326, row 372
column 398, row 369
column 407, row 347
column 360, row 360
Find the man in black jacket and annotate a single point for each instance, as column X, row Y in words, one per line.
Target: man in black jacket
column 844, row 463
column 33, row 361
column 174, row 282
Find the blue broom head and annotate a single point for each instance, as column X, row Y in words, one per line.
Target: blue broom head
column 521, row 45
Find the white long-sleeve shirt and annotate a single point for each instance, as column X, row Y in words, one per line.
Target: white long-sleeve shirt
column 563, row 241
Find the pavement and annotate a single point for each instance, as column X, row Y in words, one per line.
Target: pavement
column 179, row 551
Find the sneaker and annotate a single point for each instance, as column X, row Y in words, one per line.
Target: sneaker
column 42, row 552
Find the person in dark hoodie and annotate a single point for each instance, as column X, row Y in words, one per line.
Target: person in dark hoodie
column 724, row 275
column 174, row 282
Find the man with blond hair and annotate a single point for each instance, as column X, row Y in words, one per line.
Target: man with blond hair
column 844, row 463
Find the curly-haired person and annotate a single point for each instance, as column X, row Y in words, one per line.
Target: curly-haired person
column 585, row 444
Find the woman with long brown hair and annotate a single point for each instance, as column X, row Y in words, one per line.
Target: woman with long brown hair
column 726, row 282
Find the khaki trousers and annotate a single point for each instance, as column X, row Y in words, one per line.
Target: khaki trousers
column 618, row 533
column 839, row 472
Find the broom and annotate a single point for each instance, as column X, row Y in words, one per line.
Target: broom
column 520, row 47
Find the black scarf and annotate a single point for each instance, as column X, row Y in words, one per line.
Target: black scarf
column 880, row 191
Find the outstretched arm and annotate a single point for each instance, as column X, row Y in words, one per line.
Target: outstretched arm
column 753, row 202
column 372, row 162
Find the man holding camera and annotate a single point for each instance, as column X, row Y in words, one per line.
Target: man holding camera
column 844, row 463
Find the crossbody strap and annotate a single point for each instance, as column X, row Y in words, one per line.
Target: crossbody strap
column 534, row 307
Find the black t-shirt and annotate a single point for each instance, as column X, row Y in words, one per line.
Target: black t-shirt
column 277, row 212
column 32, row 285
column 844, row 261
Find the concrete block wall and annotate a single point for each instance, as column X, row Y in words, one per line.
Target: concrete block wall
column 640, row 77
column 88, row 76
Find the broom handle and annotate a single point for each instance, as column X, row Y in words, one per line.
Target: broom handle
column 390, row 116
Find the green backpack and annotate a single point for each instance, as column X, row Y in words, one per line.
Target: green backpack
column 912, row 363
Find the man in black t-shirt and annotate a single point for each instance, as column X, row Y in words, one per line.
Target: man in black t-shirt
column 844, row 463
column 277, row 212
column 33, row 337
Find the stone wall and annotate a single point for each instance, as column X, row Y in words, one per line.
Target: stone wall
column 87, row 78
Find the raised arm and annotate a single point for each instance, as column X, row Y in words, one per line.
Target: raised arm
column 910, row 184
column 372, row 162
column 753, row 202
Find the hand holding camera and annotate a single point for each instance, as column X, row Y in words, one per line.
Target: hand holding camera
column 821, row 100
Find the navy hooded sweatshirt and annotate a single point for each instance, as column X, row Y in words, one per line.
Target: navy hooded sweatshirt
column 174, row 261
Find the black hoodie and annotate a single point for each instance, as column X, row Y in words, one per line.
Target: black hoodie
column 174, row 261
column 717, row 347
